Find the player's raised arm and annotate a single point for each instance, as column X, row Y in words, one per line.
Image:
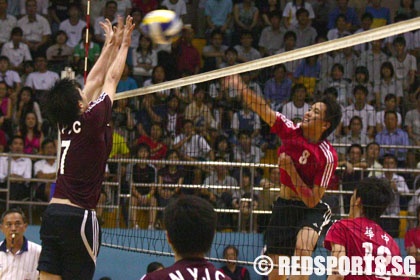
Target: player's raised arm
column 256, row 102
column 96, row 77
column 114, row 73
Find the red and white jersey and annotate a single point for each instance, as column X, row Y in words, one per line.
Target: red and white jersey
column 314, row 162
column 85, row 148
column 412, row 238
column 362, row 237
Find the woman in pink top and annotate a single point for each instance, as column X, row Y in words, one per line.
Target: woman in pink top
column 30, row 132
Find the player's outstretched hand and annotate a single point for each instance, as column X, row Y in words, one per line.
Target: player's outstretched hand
column 109, row 31
column 119, row 31
column 128, row 30
column 232, row 82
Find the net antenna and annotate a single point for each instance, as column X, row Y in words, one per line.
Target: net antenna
column 348, row 41
column 85, row 73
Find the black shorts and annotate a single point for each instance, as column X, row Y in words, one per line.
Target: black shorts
column 288, row 217
column 71, row 238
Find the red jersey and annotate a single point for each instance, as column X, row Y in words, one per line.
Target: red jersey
column 85, row 147
column 362, row 237
column 412, row 237
column 314, row 162
column 159, row 154
column 188, row 269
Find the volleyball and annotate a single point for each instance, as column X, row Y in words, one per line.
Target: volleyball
column 161, row 26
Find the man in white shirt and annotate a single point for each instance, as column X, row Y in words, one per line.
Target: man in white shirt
column 7, row 22
column 20, row 168
column 42, row 79
column 41, row 7
column 73, row 26
column 36, row 29
column 46, row 169
column 10, row 77
column 18, row 256
column 17, row 51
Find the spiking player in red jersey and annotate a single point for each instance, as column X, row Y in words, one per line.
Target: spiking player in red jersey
column 307, row 162
column 70, row 231
column 360, row 235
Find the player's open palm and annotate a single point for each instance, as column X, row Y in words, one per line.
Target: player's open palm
column 119, row 31
column 128, row 30
column 232, row 82
column 109, row 32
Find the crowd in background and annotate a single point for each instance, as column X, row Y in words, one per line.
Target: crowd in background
column 376, row 83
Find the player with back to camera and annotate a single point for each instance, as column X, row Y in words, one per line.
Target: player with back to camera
column 307, row 162
column 190, row 224
column 70, row 231
column 360, row 235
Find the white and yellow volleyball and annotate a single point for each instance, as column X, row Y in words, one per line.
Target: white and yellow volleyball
column 161, row 26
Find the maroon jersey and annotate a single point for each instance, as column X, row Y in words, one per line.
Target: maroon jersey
column 85, row 147
column 188, row 269
column 314, row 162
column 362, row 237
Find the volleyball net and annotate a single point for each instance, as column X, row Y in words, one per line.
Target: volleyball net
column 194, row 136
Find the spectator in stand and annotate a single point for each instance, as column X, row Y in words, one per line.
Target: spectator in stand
column 170, row 174
column 123, row 119
column 96, row 9
column 124, row 7
column 266, row 8
column 137, row 19
column 219, row 16
column 28, row 68
column 198, row 111
column 399, row 186
column 350, row 177
column 325, row 59
column 214, row 53
column 20, row 168
column 192, row 147
column 186, row 55
column 307, row 73
column 290, row 12
column 232, row 269
column 145, row 173
column 354, row 135
column 126, row 82
column 408, row 37
column 272, row 36
column 347, row 58
column 373, row 58
column 178, row 6
column 338, row 81
column 412, row 241
column 41, row 7
column 268, row 195
column 297, row 107
column 17, row 51
column 412, row 125
column 57, row 13
column 381, row 15
column 73, row 26
column 246, row 17
column 173, row 119
column 372, row 159
column 390, row 105
column 407, row 9
column 7, row 21
column 220, row 197
column 362, row 109
column 246, row 52
column 245, row 151
column 392, row 135
column 350, row 14
column 248, row 121
column 26, row 103
column 223, row 149
column 33, row 136
column 386, row 85
column 36, row 29
column 10, row 77
column 367, row 20
column 46, row 169
column 144, row 58
column 340, row 30
column 145, row 6
column 94, row 48
column 110, row 13
column 405, row 64
column 157, row 148
column 289, row 45
column 6, row 110
column 42, row 79
column 277, row 90
column 322, row 8
column 305, row 33
column 59, row 55
column 361, row 78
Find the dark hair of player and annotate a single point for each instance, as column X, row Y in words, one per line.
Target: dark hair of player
column 376, row 194
column 332, row 114
column 190, row 222
column 61, row 103
column 153, row 266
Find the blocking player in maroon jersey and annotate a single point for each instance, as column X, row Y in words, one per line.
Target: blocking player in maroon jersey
column 412, row 243
column 360, row 235
column 190, row 224
column 70, row 231
column 307, row 162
